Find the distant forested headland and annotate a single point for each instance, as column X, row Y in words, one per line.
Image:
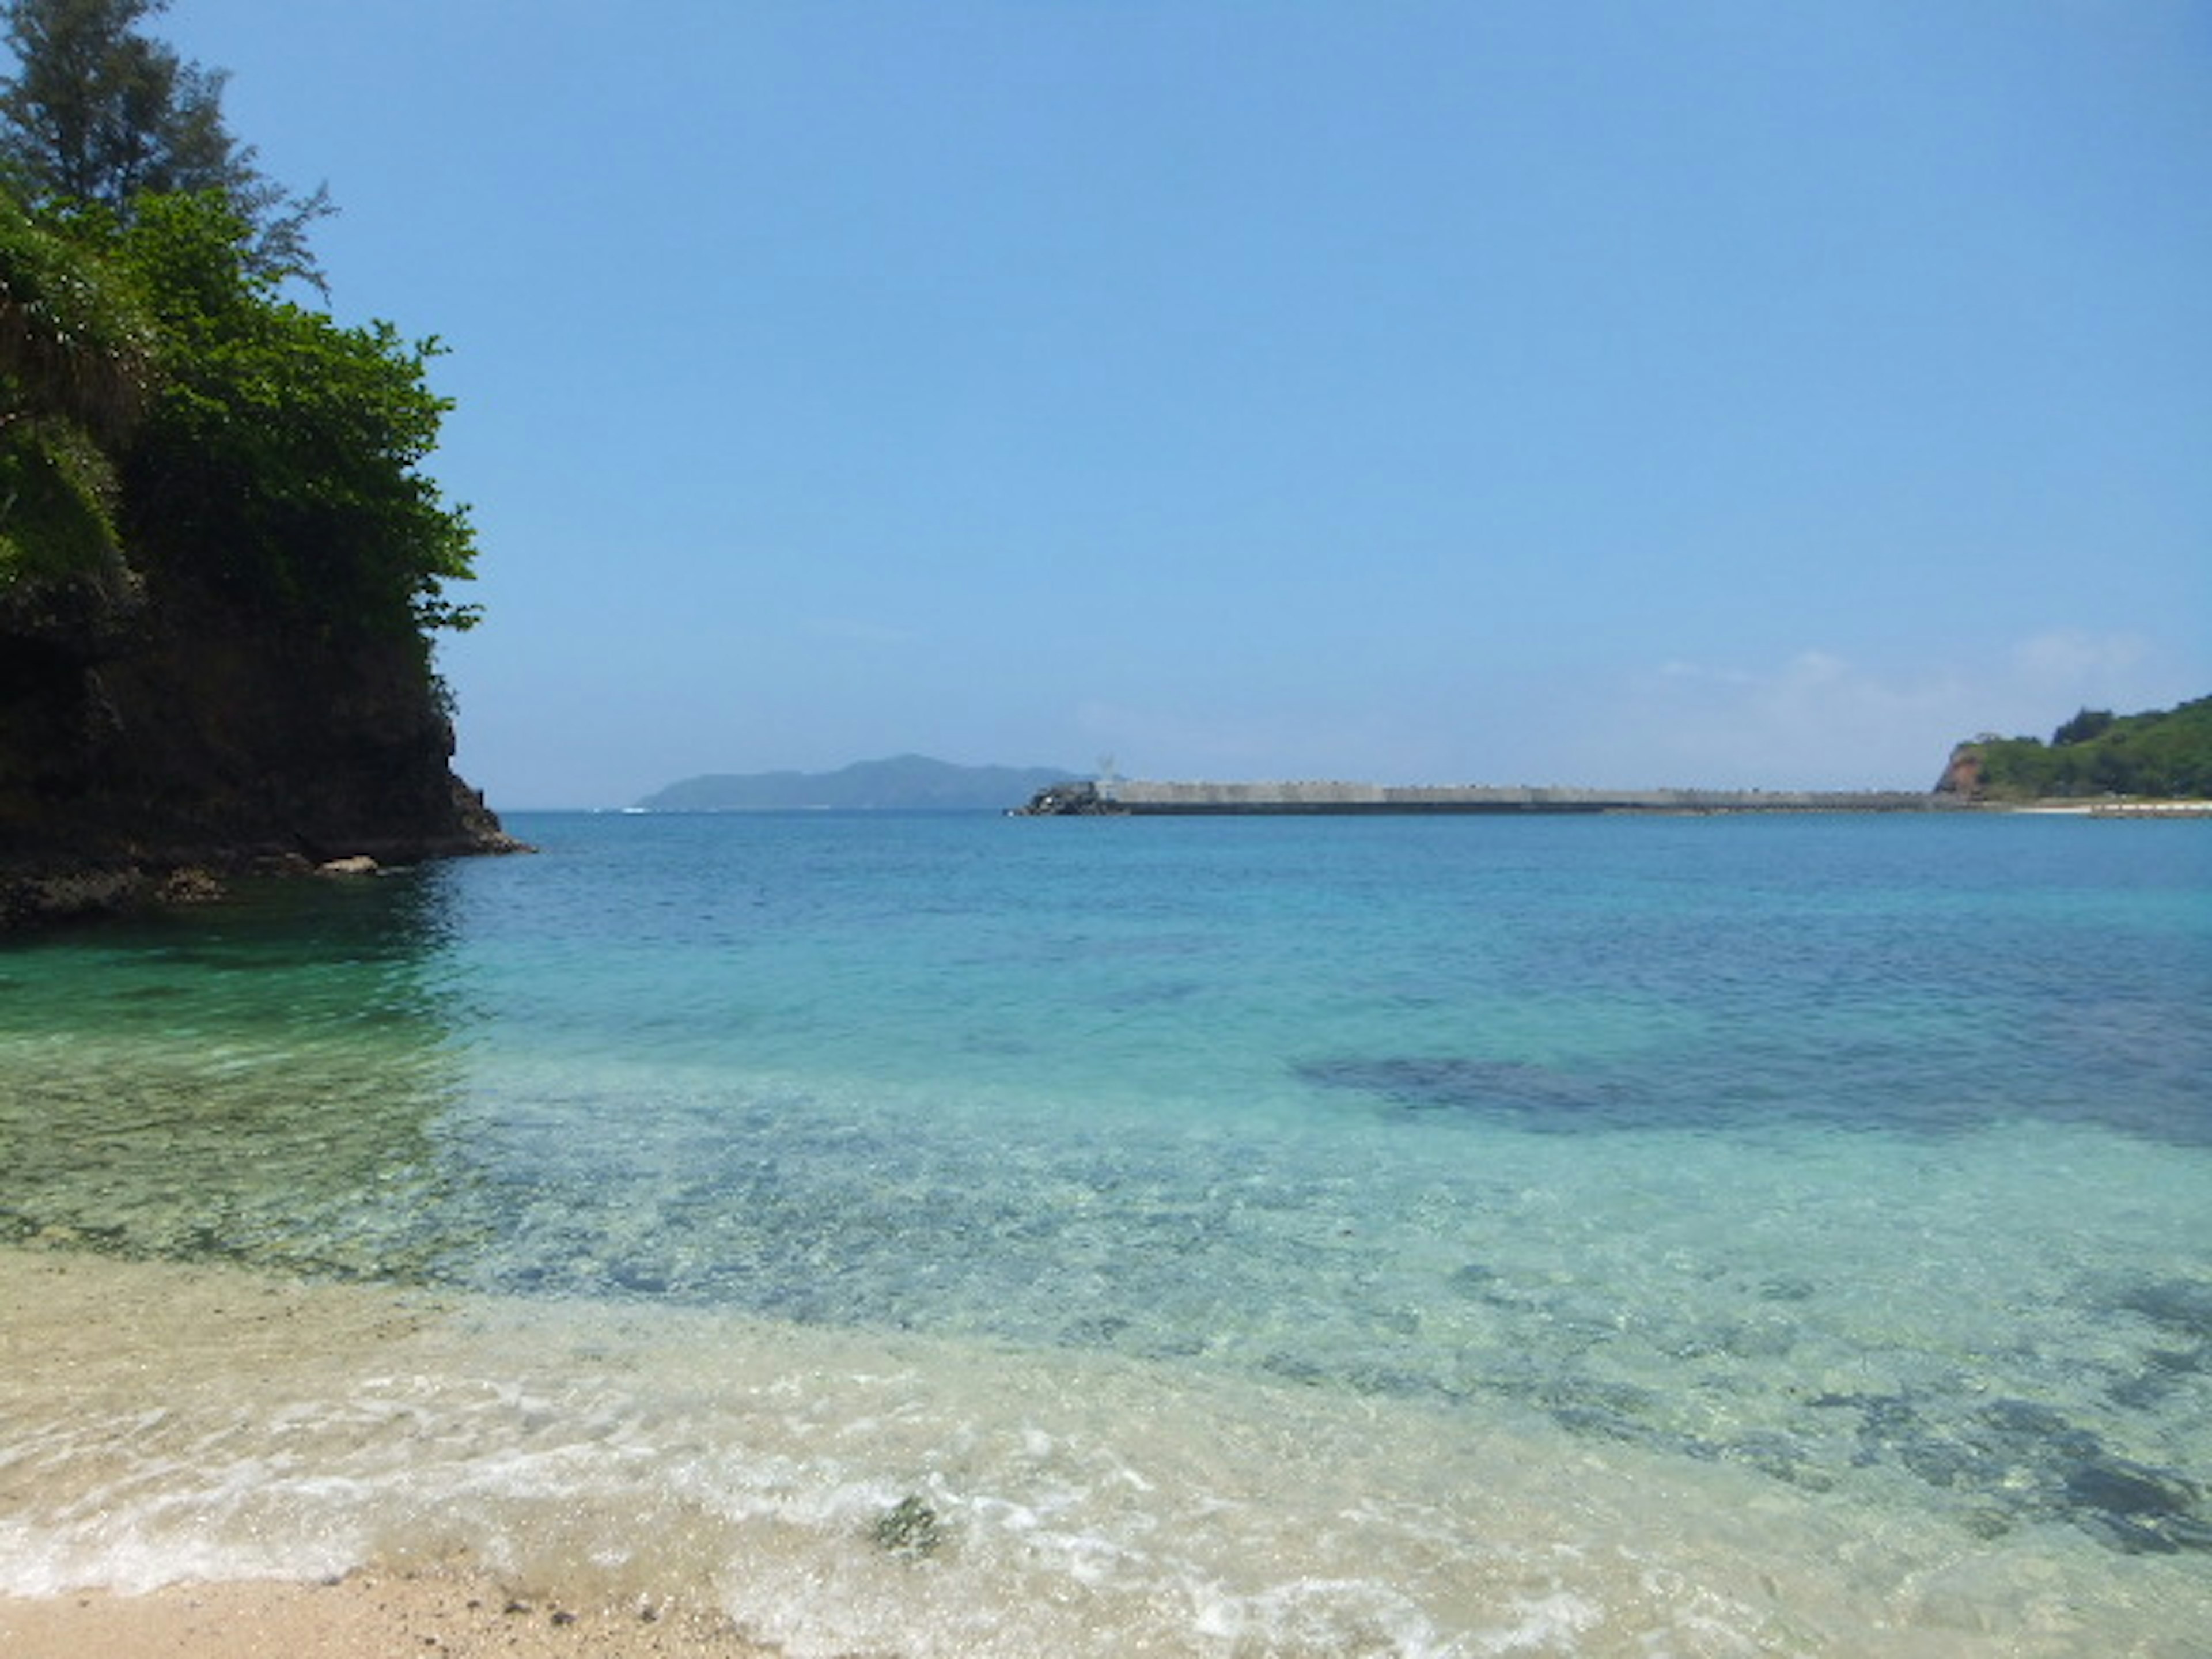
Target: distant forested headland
column 222, row 563
column 2162, row 754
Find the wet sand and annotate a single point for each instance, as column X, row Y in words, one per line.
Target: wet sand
column 67, row 1316
column 365, row 1615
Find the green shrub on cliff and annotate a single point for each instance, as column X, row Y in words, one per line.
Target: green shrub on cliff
column 57, row 505
column 74, row 341
column 76, row 355
column 2163, row 753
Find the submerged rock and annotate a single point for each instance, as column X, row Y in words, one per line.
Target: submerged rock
column 191, row 886
column 2122, row 1487
column 909, row 1527
column 2178, row 1304
column 2029, row 1460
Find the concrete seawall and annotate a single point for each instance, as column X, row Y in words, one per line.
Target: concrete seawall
column 1139, row 799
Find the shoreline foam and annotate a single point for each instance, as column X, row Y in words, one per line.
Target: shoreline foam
column 533, row 1480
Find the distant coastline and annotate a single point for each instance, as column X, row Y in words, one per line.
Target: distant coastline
column 909, row 783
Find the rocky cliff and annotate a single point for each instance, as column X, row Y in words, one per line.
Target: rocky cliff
column 149, row 739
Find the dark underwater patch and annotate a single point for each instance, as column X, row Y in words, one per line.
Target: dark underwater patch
column 1541, row 1096
column 1882, row 1088
column 2181, row 1305
column 2022, row 1460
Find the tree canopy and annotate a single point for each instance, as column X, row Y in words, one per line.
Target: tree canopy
column 162, row 402
column 2160, row 753
column 282, row 453
column 101, row 114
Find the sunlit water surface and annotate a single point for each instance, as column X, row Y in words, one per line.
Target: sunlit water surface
column 961, row 1236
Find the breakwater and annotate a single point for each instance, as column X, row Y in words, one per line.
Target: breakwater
column 1134, row 797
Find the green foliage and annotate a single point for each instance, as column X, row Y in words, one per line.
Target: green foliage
column 2164, row 753
column 75, row 344
column 281, row 456
column 57, row 504
column 2085, row 725
column 101, row 115
column 98, row 112
column 152, row 381
column 159, row 401
column 75, row 353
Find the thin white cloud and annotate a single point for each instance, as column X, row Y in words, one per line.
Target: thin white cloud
column 1818, row 719
column 2070, row 656
column 1814, row 719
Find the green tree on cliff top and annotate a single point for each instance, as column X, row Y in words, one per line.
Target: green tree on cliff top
column 156, row 390
column 101, row 114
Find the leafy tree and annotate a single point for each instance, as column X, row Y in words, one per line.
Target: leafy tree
column 101, row 114
column 2086, row 724
column 281, row 456
column 161, row 402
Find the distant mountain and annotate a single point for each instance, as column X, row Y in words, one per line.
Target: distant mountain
column 904, row 783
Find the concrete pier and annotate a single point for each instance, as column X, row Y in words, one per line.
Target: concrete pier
column 1134, row 797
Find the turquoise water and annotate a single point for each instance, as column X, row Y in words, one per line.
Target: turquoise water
column 1797, row 1230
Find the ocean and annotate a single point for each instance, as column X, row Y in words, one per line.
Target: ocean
column 934, row 1235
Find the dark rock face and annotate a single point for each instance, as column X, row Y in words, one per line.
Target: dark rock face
column 141, row 736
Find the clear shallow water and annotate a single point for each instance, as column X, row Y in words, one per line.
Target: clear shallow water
column 1400, row 1236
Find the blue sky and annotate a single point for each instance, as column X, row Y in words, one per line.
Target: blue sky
column 1621, row 394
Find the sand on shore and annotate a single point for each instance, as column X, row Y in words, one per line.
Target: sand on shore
column 365, row 1615
column 106, row 1333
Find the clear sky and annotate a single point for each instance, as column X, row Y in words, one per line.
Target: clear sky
column 1731, row 393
